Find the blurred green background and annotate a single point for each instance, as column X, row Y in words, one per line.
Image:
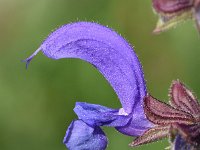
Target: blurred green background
column 36, row 105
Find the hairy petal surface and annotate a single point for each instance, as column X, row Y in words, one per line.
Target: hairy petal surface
column 107, row 51
column 97, row 115
column 80, row 136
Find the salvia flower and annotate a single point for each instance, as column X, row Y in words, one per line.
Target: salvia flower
column 117, row 62
column 180, row 120
column 171, row 12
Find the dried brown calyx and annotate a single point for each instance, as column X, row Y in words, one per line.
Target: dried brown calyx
column 180, row 118
column 172, row 12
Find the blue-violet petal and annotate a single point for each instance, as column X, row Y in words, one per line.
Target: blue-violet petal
column 97, row 115
column 107, row 51
column 180, row 144
column 137, row 125
column 80, row 136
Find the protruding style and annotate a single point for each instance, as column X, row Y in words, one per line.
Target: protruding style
column 117, row 62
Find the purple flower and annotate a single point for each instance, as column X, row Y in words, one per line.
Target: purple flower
column 117, row 62
column 181, row 144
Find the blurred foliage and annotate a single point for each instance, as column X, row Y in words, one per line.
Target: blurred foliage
column 36, row 105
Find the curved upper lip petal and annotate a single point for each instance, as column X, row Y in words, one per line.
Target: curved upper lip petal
column 105, row 50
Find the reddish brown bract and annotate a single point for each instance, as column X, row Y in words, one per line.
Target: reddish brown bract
column 182, row 117
column 171, row 12
column 171, row 6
